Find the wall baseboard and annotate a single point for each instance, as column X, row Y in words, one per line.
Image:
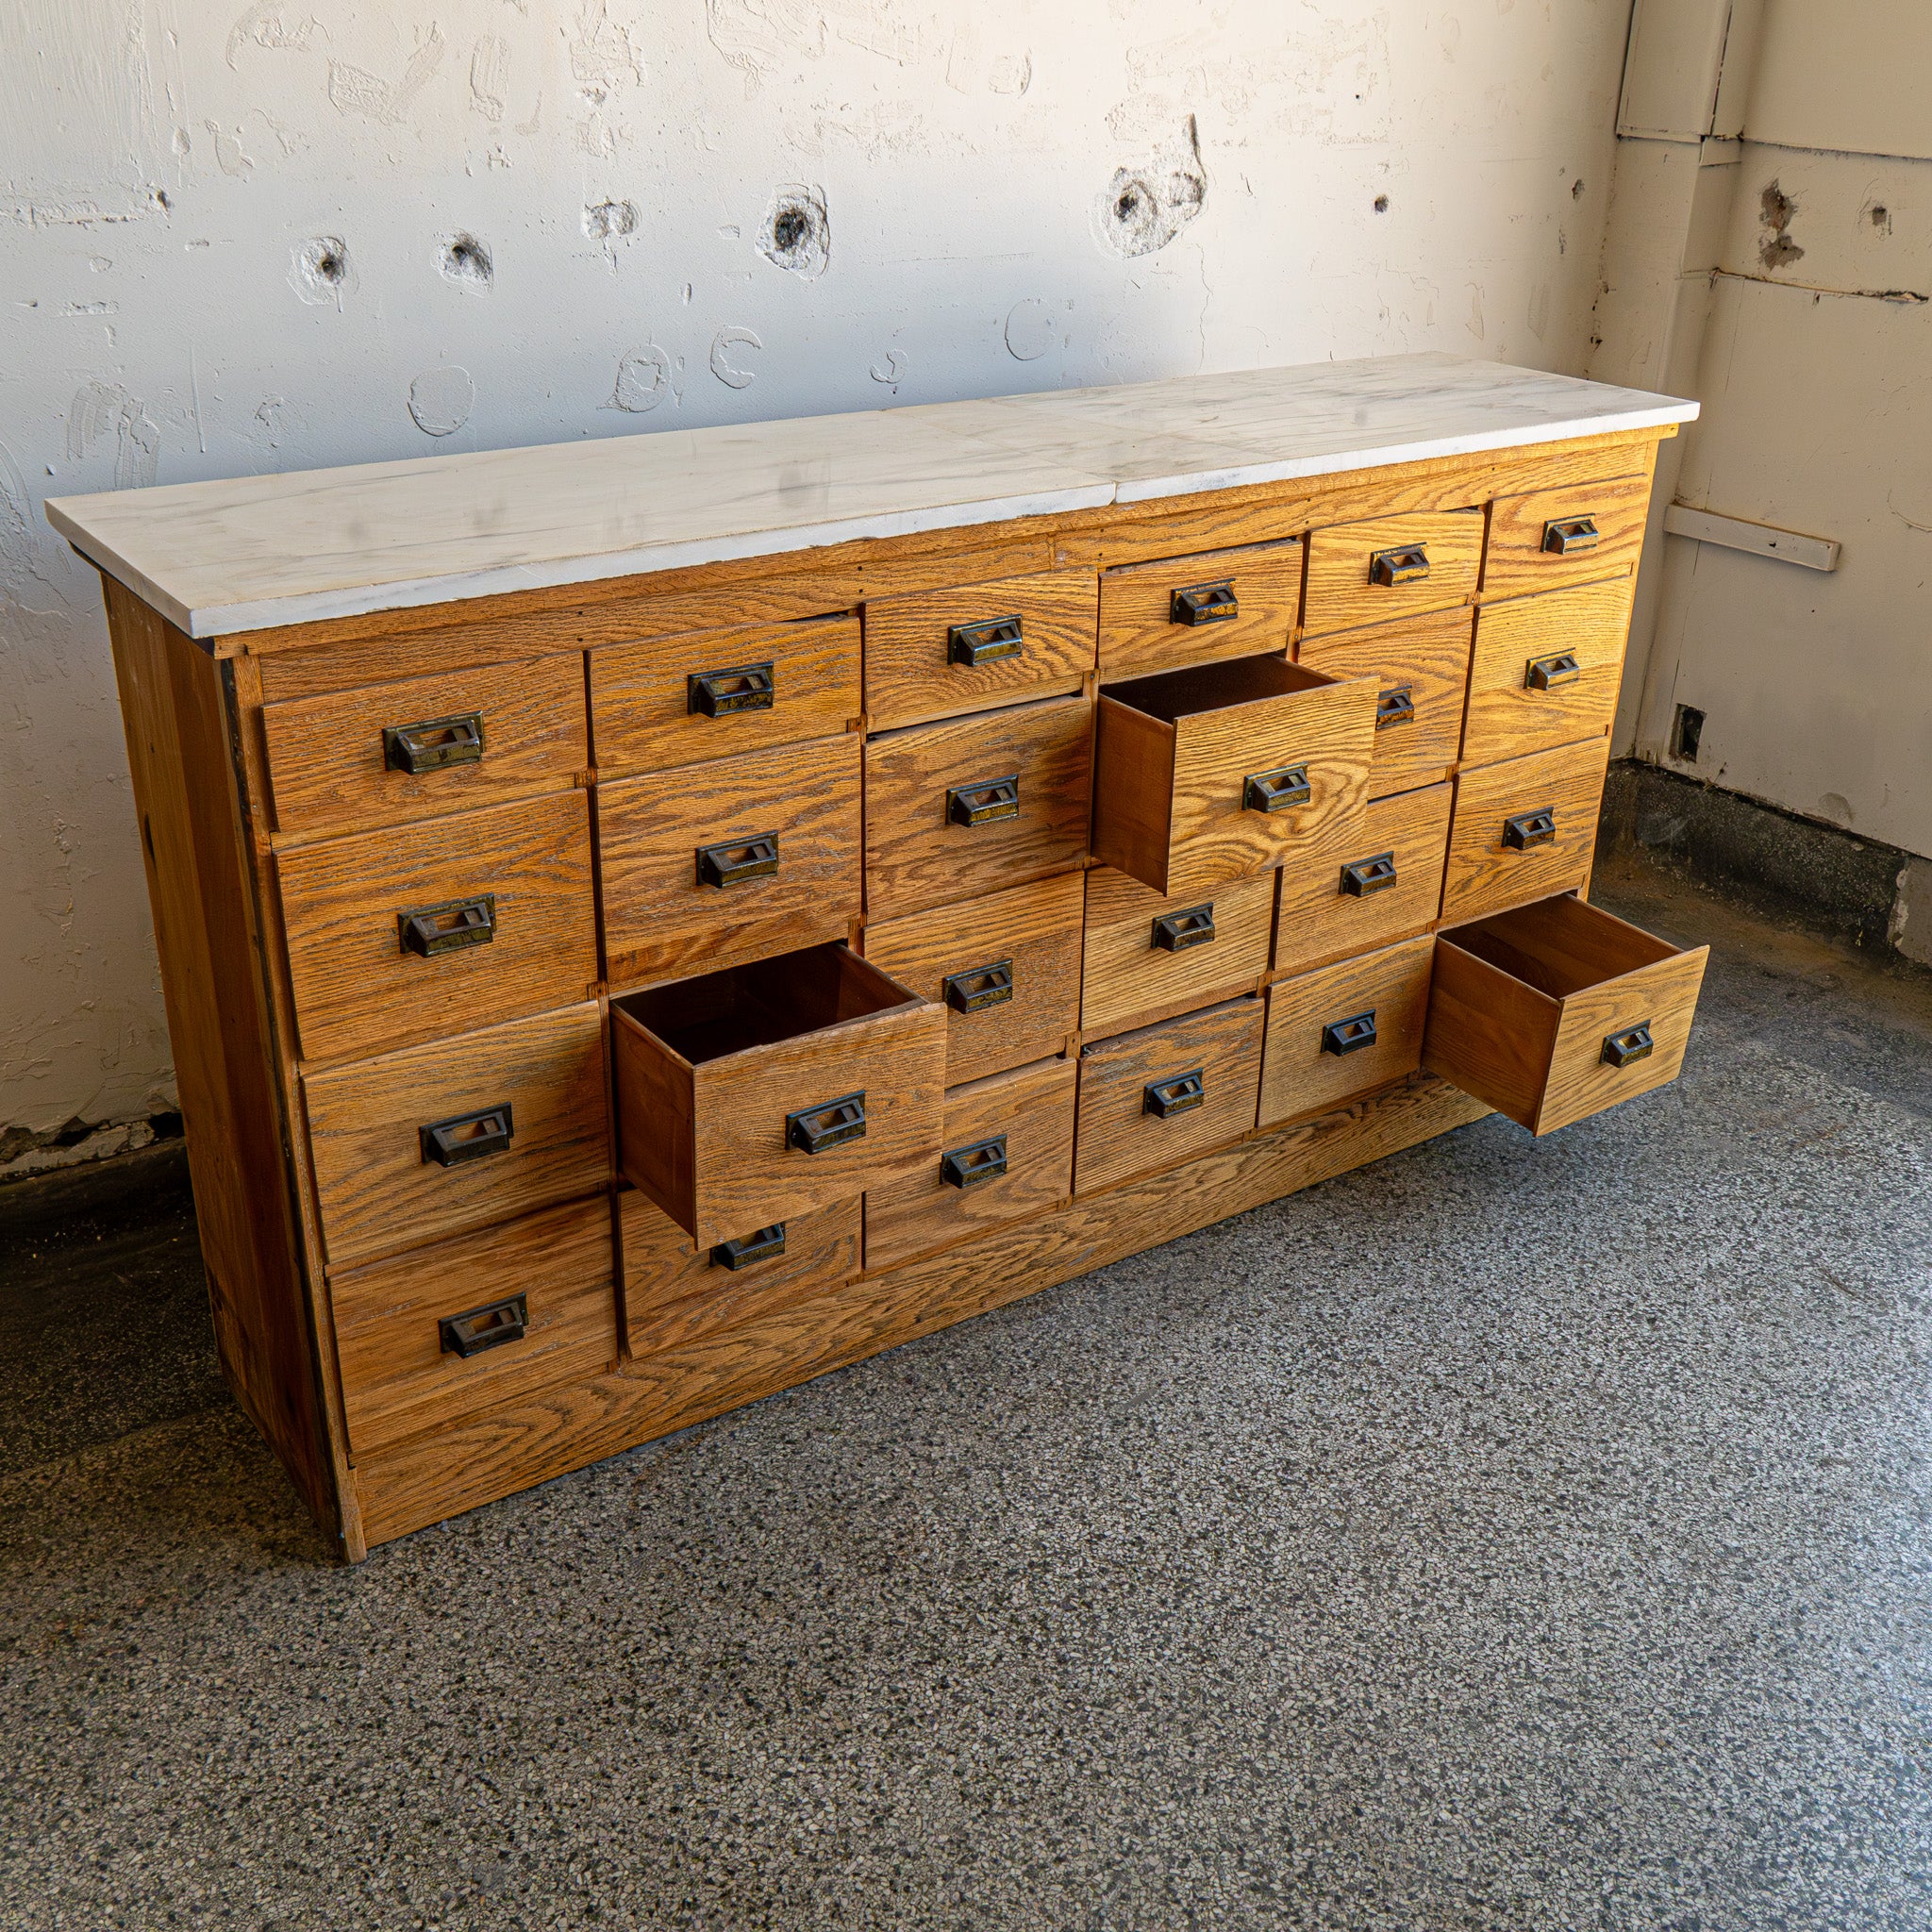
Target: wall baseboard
column 25, row 1152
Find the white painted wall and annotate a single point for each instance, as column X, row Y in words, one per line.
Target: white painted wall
column 172, row 182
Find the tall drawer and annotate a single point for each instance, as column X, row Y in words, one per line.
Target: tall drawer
column 745, row 855
column 1344, row 1030
column 1147, row 955
column 419, row 1144
column 1008, row 1152
column 1555, row 537
column 477, row 1321
column 707, row 694
column 1192, row 609
column 1422, row 667
column 397, row 935
column 938, row 653
column 1161, row 1095
column 422, row 745
column 964, row 808
column 1524, row 828
column 1546, row 670
column 1385, row 567
column 1006, row 968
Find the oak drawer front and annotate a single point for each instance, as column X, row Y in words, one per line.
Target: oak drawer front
column 1389, row 887
column 1147, row 956
column 1556, row 537
column 1343, row 1029
column 389, row 752
column 1006, row 968
column 1388, row 567
column 1422, row 667
column 943, row 652
column 405, row 933
column 767, row 1090
column 1524, row 828
column 699, row 695
column 1191, row 610
column 1546, row 670
column 481, row 1319
column 418, row 1143
column 744, row 855
column 1009, row 1153
column 964, row 808
column 1140, row 1108
column 1554, row 1010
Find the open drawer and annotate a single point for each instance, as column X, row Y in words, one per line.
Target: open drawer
column 767, row 1090
column 1554, row 1010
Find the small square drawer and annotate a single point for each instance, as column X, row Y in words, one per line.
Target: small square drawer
column 1147, row 956
column 1006, row 968
column 1556, row 1010
column 1556, row 537
column 1224, row 769
column 388, row 752
column 1546, row 670
column 968, row 805
column 478, row 1319
column 1154, row 1097
column 1524, row 829
column 706, row 695
column 764, row 1091
column 1008, row 1152
column 938, row 653
column 1423, row 666
column 417, row 1145
column 1388, row 567
column 1192, row 609
column 742, row 856
column 1344, row 1030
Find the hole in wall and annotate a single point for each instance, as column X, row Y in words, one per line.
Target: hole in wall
column 1381, row 204
column 320, row 270
column 466, row 261
column 1687, row 734
column 1576, row 189
column 1775, row 209
column 1143, row 209
column 796, row 234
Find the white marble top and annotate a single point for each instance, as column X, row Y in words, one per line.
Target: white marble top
column 218, row 557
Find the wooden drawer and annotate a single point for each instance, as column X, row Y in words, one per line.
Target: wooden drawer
column 1392, row 567
column 533, row 1302
column 1556, row 537
column 943, row 652
column 922, row 784
column 707, row 694
column 418, row 1143
column 422, row 745
column 1147, row 956
column 665, row 911
column 1554, row 1010
column 1148, row 623
column 1344, row 1030
column 1008, row 1152
column 1498, row 852
column 1183, row 760
column 1546, row 670
column 1121, row 1129
column 1422, row 667
column 399, row 935
column 723, row 1082
column 1006, row 968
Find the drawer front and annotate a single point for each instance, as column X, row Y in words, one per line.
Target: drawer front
column 1546, row 670
column 1009, row 1139
column 1422, row 669
column 1486, row 868
column 532, row 1303
column 522, row 1119
column 943, row 652
column 1324, row 912
column 1121, row 1130
column 663, row 915
column 1366, row 573
column 920, row 782
column 1343, row 1029
column 1147, row 956
column 389, row 753
column 382, row 930
column 1556, row 537
column 1013, row 963
column 705, row 694
column 1146, row 608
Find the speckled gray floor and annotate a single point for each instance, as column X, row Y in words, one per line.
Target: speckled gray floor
column 1513, row 1534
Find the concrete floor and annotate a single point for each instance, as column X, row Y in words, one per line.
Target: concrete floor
column 1513, row 1534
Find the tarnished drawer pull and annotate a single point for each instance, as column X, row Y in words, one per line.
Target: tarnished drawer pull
column 1626, row 1048
column 1567, row 536
column 739, row 860
column 489, row 1326
column 723, row 693
column 990, row 641
column 467, row 1136
column 1369, row 875
column 1407, row 564
column 1205, row 603
column 1277, row 790
column 968, row 1166
column 1181, row 1093
column 818, row 1129
column 1351, row 1035
column 984, row 803
column 433, row 744
column 1395, row 705
column 747, row 1250
column 979, row 987
column 1546, row 674
column 448, row 927
column 1181, row 932
column 1529, row 829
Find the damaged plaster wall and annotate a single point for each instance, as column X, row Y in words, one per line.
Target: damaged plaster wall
column 299, row 232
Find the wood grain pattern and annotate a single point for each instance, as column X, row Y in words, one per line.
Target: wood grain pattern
column 1429, row 658
column 1516, row 564
column 1489, row 1032
column 1138, row 633
column 1483, row 874
column 1662, row 997
column 1508, row 718
column 1340, row 595
column 1297, row 1077
column 1127, row 981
